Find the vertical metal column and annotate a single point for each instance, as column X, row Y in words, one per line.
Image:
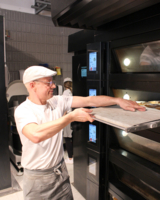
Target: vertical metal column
column 5, row 174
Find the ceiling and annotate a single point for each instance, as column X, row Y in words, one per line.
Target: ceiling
column 41, row 6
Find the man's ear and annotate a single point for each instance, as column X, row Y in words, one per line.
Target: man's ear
column 32, row 84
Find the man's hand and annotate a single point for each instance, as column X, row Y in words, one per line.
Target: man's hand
column 130, row 105
column 82, row 115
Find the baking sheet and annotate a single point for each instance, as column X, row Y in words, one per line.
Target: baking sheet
column 127, row 120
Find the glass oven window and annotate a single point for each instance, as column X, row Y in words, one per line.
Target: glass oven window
column 136, row 184
column 140, row 58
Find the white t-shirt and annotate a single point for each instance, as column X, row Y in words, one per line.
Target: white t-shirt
column 67, row 92
column 67, row 132
column 48, row 153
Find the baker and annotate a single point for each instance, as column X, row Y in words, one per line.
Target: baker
column 40, row 121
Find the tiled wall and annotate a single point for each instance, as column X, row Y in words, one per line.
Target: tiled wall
column 35, row 40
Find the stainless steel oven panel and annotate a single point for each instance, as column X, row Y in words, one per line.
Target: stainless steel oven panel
column 138, row 145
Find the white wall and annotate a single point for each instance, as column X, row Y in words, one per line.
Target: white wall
column 18, row 5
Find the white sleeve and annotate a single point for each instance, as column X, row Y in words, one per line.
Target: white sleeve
column 24, row 116
column 63, row 102
column 68, row 102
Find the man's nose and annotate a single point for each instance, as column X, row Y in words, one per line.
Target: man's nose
column 53, row 86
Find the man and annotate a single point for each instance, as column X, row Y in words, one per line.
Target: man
column 40, row 122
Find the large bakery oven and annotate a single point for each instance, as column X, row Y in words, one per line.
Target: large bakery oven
column 134, row 158
column 132, row 71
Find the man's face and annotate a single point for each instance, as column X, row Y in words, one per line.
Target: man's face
column 43, row 88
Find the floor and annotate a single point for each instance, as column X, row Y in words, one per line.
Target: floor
column 19, row 195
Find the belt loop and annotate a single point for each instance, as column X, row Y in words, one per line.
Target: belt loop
column 56, row 169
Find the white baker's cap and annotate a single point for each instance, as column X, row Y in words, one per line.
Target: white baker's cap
column 67, row 79
column 35, row 72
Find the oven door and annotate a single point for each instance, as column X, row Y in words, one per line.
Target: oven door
column 134, row 166
column 136, row 173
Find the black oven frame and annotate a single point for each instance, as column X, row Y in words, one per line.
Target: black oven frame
column 145, row 81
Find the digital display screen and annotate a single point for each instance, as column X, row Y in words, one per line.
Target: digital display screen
column 92, row 133
column 92, row 92
column 92, row 61
column 84, row 71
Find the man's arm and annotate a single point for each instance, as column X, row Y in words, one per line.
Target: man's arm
column 100, row 101
column 38, row 133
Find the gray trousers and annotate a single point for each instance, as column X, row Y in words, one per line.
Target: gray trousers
column 50, row 184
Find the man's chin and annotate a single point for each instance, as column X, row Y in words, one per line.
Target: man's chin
column 50, row 96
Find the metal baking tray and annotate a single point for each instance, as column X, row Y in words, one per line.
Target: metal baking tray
column 127, row 120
